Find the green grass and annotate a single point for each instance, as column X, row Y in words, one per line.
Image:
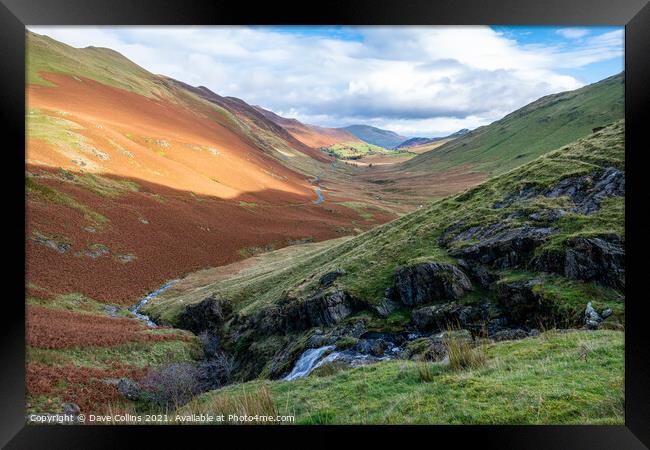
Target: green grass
column 370, row 259
column 348, row 150
column 529, row 132
column 543, row 380
column 136, row 354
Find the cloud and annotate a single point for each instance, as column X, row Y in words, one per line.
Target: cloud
column 414, row 80
column 572, row 33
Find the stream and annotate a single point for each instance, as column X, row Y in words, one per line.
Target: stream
column 314, row 358
column 135, row 309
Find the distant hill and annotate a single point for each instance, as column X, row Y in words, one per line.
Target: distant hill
column 310, row 135
column 376, row 136
column 543, row 125
column 417, row 141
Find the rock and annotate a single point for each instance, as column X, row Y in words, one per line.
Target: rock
column 71, row 409
column 592, row 318
column 128, row 388
column 430, row 282
column 478, row 272
column 523, row 304
column 329, row 278
column 509, row 335
column 547, row 215
column 207, row 315
column 509, row 248
column 374, row 347
column 606, row 313
column 386, row 306
column 325, row 308
column 600, row 259
column 586, row 191
column 445, row 315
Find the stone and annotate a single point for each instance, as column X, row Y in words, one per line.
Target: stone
column 509, row 248
column 207, row 315
column 509, row 335
column 329, row 278
column 430, row 282
column 600, row 259
column 128, row 388
column 70, row 408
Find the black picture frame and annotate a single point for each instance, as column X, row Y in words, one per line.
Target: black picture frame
column 633, row 14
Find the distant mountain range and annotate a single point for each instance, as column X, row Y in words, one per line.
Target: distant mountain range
column 416, row 141
column 376, row 136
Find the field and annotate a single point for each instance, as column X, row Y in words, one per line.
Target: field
column 518, row 385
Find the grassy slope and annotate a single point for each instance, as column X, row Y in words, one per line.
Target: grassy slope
column 370, row 259
column 519, row 385
column 531, row 131
column 113, row 69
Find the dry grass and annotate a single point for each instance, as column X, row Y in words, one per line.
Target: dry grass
column 463, row 354
column 257, row 402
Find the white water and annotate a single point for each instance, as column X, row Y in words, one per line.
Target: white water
column 307, row 362
column 145, row 300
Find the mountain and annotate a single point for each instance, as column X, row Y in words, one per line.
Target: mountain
column 310, row 135
column 376, row 136
column 127, row 170
column 418, row 141
column 529, row 132
column 502, row 260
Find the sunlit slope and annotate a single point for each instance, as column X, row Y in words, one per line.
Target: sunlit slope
column 529, row 132
column 371, row 259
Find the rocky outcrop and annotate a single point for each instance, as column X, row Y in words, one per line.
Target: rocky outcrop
column 600, row 259
column 329, row 278
column 430, row 282
column 508, row 248
column 447, row 315
column 324, row 308
column 585, row 191
column 207, row 315
column 524, row 304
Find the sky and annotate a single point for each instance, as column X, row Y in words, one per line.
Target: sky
column 417, row 81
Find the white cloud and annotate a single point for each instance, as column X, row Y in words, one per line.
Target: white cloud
column 572, row 33
column 414, row 80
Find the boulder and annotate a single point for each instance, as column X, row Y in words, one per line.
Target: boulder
column 71, row 409
column 128, row 388
column 600, row 259
column 430, row 282
column 509, row 248
column 592, row 318
column 509, row 335
column 523, row 304
column 207, row 315
column 446, row 315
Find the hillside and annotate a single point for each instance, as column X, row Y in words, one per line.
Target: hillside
column 529, row 132
column 376, row 136
column 515, row 254
column 127, row 171
column 310, row 135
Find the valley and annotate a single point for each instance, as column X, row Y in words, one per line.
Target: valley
column 190, row 252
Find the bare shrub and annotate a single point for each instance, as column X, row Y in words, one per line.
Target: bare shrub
column 216, row 371
column 172, row 385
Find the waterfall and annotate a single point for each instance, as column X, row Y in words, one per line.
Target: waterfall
column 307, row 361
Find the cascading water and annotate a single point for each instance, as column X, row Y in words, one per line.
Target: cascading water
column 135, row 309
column 307, row 362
